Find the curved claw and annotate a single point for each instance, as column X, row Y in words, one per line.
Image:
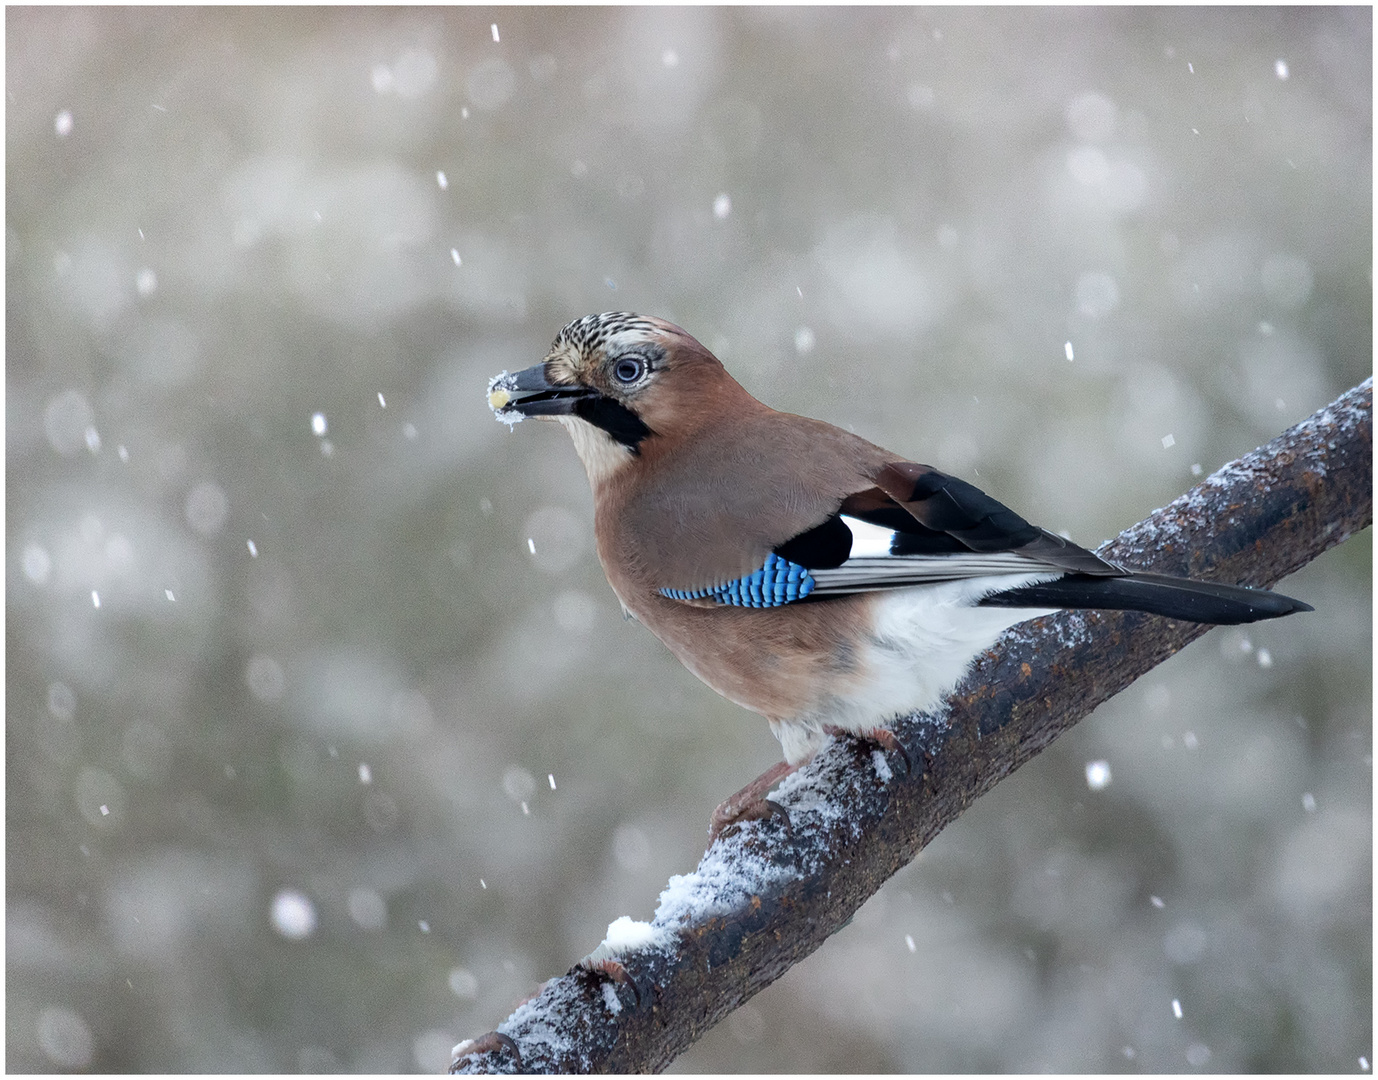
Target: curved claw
column 889, row 741
column 882, row 737
column 613, row 971
column 750, row 804
column 484, row 1044
column 775, row 810
column 726, row 823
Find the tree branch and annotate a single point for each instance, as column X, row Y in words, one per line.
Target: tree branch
column 763, row 899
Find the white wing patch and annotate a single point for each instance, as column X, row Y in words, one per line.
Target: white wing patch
column 872, row 567
column 869, row 541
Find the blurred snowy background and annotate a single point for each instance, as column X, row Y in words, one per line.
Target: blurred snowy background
column 314, row 765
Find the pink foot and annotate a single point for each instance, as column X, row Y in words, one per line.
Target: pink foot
column 751, row 804
column 612, row 969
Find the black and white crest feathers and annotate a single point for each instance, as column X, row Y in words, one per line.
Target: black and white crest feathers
column 592, row 332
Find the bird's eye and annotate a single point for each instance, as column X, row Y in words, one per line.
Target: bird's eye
column 628, row 370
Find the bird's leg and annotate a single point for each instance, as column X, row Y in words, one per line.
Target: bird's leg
column 883, row 737
column 751, row 804
column 494, row 1040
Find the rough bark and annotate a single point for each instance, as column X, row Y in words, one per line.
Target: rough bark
column 764, row 898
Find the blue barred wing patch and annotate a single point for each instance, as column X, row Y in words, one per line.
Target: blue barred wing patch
column 778, row 582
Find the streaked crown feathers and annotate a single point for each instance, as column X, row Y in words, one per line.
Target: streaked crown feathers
column 594, row 332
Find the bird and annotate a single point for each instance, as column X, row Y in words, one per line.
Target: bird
column 798, row 569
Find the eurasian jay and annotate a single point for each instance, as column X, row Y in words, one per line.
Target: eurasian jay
column 797, row 569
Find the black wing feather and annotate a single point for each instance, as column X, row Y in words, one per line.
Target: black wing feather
column 942, row 528
column 824, row 547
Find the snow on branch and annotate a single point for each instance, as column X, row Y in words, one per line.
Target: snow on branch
column 765, row 897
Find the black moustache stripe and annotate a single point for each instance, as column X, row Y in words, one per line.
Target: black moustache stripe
column 614, row 418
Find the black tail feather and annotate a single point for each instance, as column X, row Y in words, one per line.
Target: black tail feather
column 1157, row 594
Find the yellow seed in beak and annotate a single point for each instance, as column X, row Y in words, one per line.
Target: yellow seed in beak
column 497, row 399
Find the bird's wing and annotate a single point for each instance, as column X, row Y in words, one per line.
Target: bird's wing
column 915, row 526
column 702, row 513
column 920, row 525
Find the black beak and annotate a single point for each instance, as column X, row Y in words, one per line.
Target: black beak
column 530, row 393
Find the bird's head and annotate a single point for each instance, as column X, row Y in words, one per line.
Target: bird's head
column 618, row 382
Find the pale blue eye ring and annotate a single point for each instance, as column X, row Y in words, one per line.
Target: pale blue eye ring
column 628, row 370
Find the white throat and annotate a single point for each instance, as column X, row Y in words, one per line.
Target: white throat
column 601, row 454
